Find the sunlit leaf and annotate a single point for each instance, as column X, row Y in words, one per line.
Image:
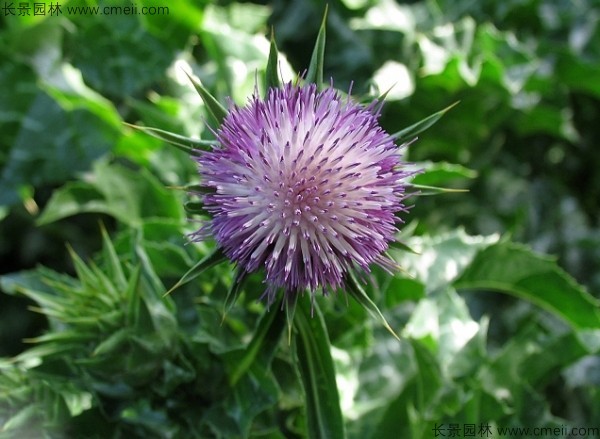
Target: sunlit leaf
column 514, row 269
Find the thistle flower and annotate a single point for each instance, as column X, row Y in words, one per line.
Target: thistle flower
column 304, row 184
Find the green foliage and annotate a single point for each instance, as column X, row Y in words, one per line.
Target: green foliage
column 491, row 330
column 313, row 356
column 131, row 197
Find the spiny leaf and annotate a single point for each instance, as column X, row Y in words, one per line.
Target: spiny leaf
column 438, row 174
column 383, row 95
column 66, row 336
column 132, row 297
column 263, row 345
column 196, row 189
column 186, row 144
column 411, row 132
column 317, row 371
column 27, row 416
column 216, row 257
column 47, row 350
column 50, row 304
column 315, row 68
column 433, row 190
column 110, row 258
column 114, row 342
column 271, row 74
column 235, row 290
column 215, row 109
column 359, row 294
column 290, row 310
column 517, row 270
column 400, row 245
column 84, row 273
column 195, row 208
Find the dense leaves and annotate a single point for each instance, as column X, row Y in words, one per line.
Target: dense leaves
column 491, row 331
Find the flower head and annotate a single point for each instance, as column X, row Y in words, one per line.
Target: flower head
column 304, row 184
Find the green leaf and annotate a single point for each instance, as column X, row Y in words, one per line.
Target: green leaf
column 114, row 342
column 313, row 356
column 398, row 290
column 263, row 345
column 160, row 309
column 71, row 199
column 215, row 109
column 400, row 245
column 515, row 269
column 61, row 143
column 359, row 294
column 433, row 176
column 195, row 208
column 420, row 389
column 235, row 290
column 115, row 190
column 67, row 336
column 441, row 173
column 28, row 415
column 433, row 190
column 441, row 258
column 186, row 144
column 290, row 310
column 315, row 68
column 271, row 73
column 411, row 132
column 56, row 350
column 254, row 393
column 138, row 57
column 15, row 283
column 114, row 269
column 132, row 298
column 216, row 257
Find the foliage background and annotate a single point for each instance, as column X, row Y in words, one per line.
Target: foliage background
column 119, row 360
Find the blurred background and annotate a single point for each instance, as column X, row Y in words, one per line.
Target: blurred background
column 523, row 141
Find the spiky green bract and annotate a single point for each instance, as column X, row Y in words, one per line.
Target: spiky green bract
column 119, row 360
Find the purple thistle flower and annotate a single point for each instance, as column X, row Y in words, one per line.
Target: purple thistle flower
column 305, row 185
